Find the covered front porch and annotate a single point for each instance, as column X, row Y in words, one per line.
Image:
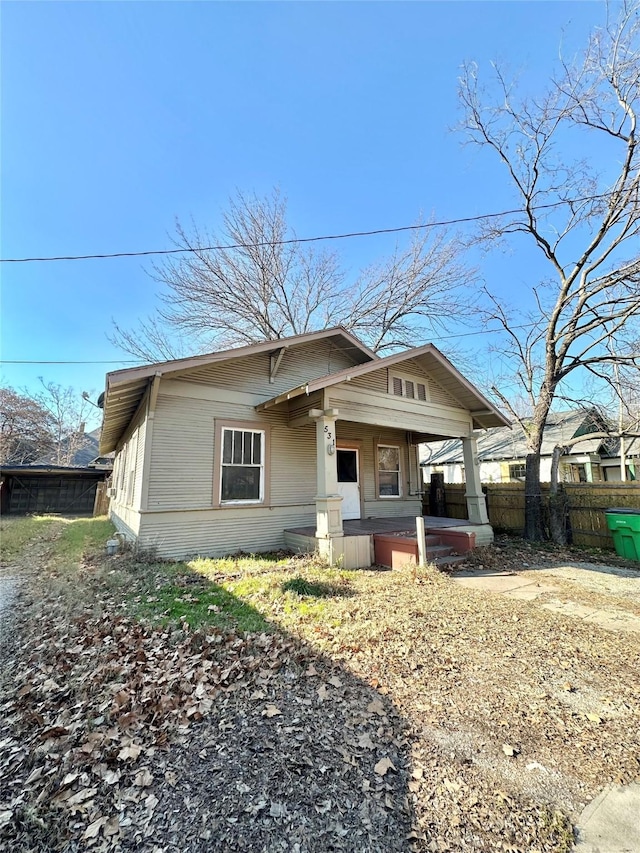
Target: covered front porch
column 368, row 422
column 392, row 542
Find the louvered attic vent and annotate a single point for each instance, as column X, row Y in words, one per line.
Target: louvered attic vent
column 403, row 387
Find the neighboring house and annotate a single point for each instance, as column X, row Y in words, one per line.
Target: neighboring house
column 612, row 465
column 279, row 443
column 502, row 452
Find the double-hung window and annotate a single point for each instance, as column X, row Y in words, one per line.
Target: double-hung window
column 242, row 465
column 389, row 471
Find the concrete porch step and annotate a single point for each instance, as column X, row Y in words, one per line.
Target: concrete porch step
column 435, row 551
column 448, row 560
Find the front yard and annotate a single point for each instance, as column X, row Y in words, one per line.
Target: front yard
column 274, row 704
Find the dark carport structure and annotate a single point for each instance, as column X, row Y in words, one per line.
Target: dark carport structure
column 49, row 489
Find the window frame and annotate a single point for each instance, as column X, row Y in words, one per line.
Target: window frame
column 519, row 477
column 399, row 448
column 218, row 465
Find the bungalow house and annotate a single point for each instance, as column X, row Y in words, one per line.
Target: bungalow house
column 301, row 442
column 502, row 452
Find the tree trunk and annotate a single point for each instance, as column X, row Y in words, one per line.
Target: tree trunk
column 533, row 526
column 557, row 502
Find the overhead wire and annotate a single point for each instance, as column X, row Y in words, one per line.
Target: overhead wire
column 227, row 247
column 142, row 361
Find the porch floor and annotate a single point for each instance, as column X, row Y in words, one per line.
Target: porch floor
column 399, row 524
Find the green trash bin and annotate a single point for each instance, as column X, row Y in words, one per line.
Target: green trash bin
column 624, row 524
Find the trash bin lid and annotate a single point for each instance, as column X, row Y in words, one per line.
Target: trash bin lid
column 623, row 510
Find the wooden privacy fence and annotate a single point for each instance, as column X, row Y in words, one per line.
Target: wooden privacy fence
column 101, row 505
column 586, row 505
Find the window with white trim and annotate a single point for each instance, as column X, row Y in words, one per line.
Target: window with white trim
column 404, row 386
column 389, row 472
column 242, row 465
column 517, row 471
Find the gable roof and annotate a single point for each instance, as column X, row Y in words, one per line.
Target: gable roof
column 437, row 365
column 126, row 388
column 505, row 444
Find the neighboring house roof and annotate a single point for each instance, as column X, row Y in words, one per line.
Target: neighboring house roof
column 126, row 388
column 484, row 413
column 506, row 444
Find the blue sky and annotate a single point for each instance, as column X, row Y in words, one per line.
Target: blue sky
column 119, row 117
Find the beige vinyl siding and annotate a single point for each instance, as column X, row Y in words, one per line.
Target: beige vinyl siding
column 437, row 394
column 216, row 533
column 299, row 407
column 369, row 407
column 183, row 454
column 124, row 507
column 125, row 520
column 378, row 381
column 128, row 468
column 142, row 433
column 251, row 374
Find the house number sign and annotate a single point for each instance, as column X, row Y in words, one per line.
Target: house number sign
column 331, row 445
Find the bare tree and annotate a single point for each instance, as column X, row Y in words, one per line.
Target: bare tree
column 270, row 285
column 68, row 413
column 585, row 223
column 25, row 428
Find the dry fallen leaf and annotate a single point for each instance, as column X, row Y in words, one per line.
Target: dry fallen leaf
column 94, row 828
column 143, row 779
column 384, row 765
column 271, row 711
column 365, row 742
column 376, row 707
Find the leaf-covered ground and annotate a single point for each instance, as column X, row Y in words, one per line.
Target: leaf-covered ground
column 274, row 704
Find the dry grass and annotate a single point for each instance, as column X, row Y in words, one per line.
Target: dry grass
column 505, row 718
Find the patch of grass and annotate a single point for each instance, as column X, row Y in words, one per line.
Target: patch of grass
column 208, row 604
column 317, row 589
column 559, row 829
column 80, row 537
column 17, row 532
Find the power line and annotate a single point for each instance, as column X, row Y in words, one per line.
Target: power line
column 221, row 248
column 142, row 361
column 116, row 361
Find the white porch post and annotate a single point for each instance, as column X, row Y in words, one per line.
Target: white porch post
column 328, row 501
column 476, row 503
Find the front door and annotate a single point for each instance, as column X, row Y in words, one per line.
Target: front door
column 348, row 485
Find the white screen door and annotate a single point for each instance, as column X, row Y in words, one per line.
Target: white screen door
column 348, row 485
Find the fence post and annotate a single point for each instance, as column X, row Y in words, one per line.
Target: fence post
column 422, row 542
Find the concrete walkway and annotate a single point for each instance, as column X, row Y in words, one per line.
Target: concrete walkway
column 611, row 822
column 527, row 587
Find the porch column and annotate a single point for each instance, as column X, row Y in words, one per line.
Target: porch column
column 476, row 503
column 328, row 501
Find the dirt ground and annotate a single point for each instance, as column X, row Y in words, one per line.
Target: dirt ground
column 408, row 713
